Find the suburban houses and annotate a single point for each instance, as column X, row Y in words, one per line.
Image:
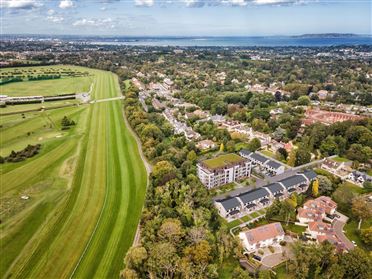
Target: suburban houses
column 320, row 217
column 261, row 237
column 223, row 169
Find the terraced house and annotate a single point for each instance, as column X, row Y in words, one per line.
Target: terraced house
column 269, row 165
column 223, row 169
column 254, row 200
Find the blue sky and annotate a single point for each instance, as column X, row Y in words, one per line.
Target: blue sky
column 185, row 17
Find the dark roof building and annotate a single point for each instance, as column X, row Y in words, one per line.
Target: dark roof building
column 274, row 188
column 253, row 195
column 293, row 181
column 258, row 157
column 230, row 203
column 311, row 175
column 273, row 164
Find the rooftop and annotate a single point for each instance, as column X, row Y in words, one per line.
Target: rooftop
column 229, row 203
column 293, row 180
column 223, row 161
column 253, row 195
column 263, row 233
column 274, row 187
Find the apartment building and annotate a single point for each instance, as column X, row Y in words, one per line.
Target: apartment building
column 223, row 169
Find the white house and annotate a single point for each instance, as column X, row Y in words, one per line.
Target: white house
column 223, row 169
column 262, row 236
column 228, row 207
column 316, row 229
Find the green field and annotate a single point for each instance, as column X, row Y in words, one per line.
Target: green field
column 68, row 83
column 86, row 190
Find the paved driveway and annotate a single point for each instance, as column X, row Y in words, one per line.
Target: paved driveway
column 338, row 226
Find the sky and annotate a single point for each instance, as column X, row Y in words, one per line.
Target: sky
column 185, row 17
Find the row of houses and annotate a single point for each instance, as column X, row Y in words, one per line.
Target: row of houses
column 180, row 127
column 254, row 200
column 270, row 166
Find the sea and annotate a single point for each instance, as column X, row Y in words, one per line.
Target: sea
column 268, row 41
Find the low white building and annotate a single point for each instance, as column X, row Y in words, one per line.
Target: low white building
column 223, row 169
column 261, row 237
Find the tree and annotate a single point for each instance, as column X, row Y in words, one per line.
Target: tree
column 230, row 146
column 315, row 188
column 162, row 172
column 191, row 156
column 302, row 157
column 356, row 264
column 279, row 134
column 292, row 158
column 359, row 153
column 222, row 147
column 254, row 144
column 303, row 101
column 171, row 230
column 162, row 259
column 128, row 273
column 135, row 257
column 325, row 185
column 366, row 235
column 361, row 208
column 283, row 152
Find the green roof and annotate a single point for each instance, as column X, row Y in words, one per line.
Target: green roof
column 223, row 161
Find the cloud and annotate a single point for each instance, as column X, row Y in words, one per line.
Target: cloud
column 144, row 3
column 100, row 22
column 66, row 4
column 51, row 12
column 20, row 4
column 55, row 19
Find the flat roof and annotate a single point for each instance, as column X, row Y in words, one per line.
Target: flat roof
column 223, row 161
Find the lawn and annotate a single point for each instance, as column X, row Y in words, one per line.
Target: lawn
column 246, row 218
column 226, row 269
column 234, row 223
column 340, row 159
column 87, row 190
column 351, row 231
column 222, row 160
column 47, row 87
column 268, row 153
column 294, row 228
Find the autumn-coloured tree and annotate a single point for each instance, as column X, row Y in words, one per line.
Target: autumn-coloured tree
column 315, row 188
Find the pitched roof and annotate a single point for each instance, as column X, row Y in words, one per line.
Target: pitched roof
column 273, row 164
column 245, row 152
column 274, row 187
column 320, row 227
column 258, row 157
column 293, row 180
column 310, row 174
column 253, row 195
column 229, row 203
column 265, row 232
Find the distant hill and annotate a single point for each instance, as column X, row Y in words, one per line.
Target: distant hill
column 327, row 35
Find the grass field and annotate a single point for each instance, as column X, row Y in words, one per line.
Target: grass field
column 86, row 190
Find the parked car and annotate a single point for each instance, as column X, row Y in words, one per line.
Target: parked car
column 258, row 258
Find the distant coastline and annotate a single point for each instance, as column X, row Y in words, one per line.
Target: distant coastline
column 305, row 40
